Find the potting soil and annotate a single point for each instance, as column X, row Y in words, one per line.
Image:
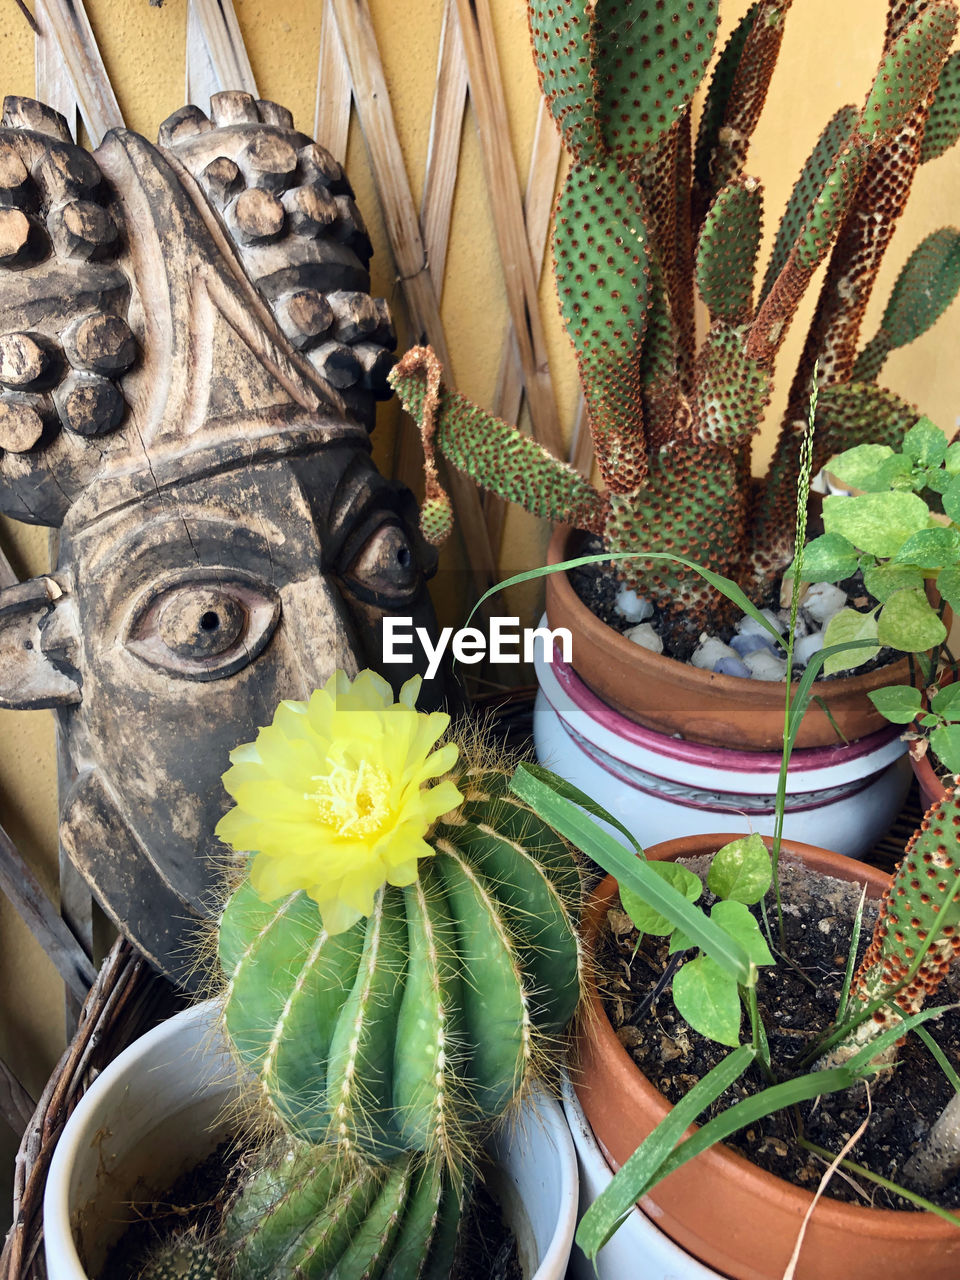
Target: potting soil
column 796, row 1006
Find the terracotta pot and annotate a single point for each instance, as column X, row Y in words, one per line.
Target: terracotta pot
column 675, row 698
column 932, row 789
column 726, row 1212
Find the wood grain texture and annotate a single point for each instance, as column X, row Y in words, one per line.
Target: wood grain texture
column 215, row 21
column 24, row 890
column 403, row 230
column 520, row 275
column 16, row 1105
column 65, row 22
column 443, row 151
column 54, row 85
column 331, row 123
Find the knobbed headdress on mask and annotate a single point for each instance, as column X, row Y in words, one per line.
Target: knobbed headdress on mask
column 189, row 360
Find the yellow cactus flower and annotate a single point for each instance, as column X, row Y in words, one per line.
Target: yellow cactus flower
column 333, row 798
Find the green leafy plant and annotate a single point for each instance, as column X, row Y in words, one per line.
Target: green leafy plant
column 705, row 993
column 649, row 217
column 938, row 721
column 914, row 939
column 898, row 539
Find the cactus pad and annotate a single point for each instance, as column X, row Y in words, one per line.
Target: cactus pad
column 495, row 454
column 806, row 189
column 715, row 107
column 732, row 389
column 659, row 520
column 649, row 62
column 851, row 412
column 909, row 908
column 943, row 123
column 908, row 71
column 562, row 47
column 925, row 287
column 727, row 252
column 426, row 1016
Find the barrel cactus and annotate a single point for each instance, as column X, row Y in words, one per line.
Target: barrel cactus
column 313, row 1214
column 649, row 216
column 308, row 1212
column 183, row 1257
column 421, row 1001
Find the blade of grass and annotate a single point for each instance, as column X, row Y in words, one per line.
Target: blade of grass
column 570, row 792
column 725, row 586
column 600, row 1220
column 851, row 957
column 618, row 1198
column 577, row 827
column 941, row 1059
column 886, row 1183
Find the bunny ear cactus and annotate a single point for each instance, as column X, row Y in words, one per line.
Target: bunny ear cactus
column 646, row 219
column 917, row 934
column 400, row 954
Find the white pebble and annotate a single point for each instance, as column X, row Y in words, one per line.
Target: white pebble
column 750, row 627
column 709, row 652
column 805, row 648
column 764, row 666
column 823, row 600
column 632, row 607
column 645, row 636
column 802, row 627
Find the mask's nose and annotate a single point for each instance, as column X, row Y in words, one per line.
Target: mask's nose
column 319, row 633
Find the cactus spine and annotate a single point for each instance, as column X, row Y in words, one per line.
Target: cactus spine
column 186, row 1257
column 428, row 1015
column 641, row 225
column 924, row 881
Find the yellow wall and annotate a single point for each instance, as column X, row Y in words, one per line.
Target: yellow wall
column 828, row 55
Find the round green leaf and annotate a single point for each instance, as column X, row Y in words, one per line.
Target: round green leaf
column 948, row 584
column 925, row 443
column 857, row 467
column 930, row 548
column 909, row 622
column 898, row 703
column 951, row 500
column 946, row 701
column 709, row 999
column 882, row 580
column 846, row 627
column 951, row 461
column 878, row 523
column 828, row 558
column 741, row 870
column 645, row 918
column 737, row 920
column 945, row 744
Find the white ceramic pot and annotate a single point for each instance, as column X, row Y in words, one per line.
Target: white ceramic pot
column 639, row 1247
column 163, row 1105
column 842, row 797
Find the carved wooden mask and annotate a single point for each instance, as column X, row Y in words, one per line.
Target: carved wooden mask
column 189, row 360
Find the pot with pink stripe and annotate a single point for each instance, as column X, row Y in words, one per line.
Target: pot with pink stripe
column 842, row 797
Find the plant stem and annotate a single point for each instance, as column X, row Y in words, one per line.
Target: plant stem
column 880, row 1181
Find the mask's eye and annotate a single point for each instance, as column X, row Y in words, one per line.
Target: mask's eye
column 386, row 564
column 204, row 628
